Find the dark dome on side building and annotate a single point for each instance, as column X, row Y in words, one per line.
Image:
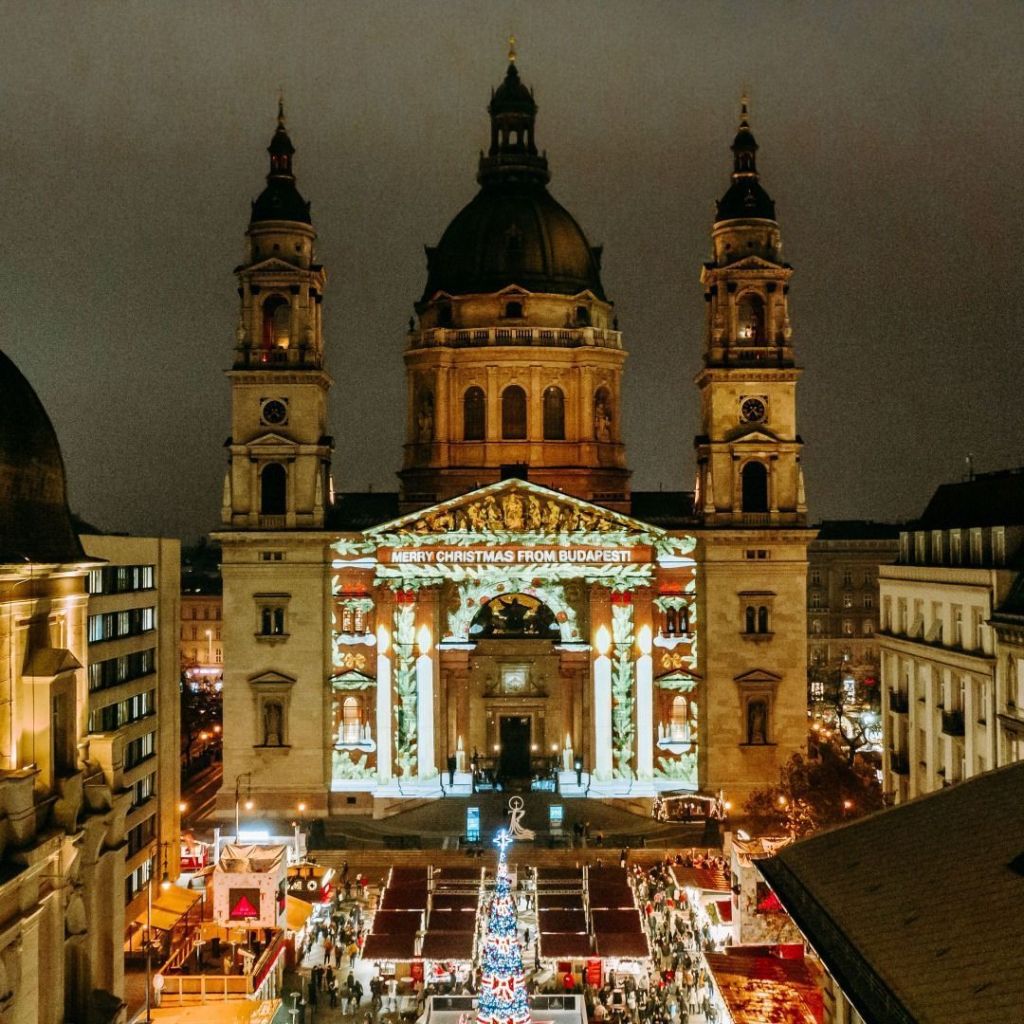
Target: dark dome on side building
column 513, row 232
column 35, row 523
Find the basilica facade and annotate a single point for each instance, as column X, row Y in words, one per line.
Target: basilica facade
column 515, row 611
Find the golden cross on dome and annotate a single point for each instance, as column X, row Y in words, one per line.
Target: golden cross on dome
column 512, row 49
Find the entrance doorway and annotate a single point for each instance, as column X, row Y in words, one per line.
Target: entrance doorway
column 514, row 733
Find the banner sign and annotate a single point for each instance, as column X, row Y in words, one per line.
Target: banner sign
column 515, row 555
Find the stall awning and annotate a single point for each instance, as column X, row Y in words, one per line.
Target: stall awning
column 565, row 945
column 629, row 945
column 389, row 947
column 297, row 913
column 176, row 899
column 448, row 946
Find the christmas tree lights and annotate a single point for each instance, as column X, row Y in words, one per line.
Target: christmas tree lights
column 502, row 985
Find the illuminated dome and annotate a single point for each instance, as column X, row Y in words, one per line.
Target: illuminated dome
column 513, row 232
column 35, row 523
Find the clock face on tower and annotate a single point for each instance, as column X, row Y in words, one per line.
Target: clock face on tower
column 274, row 412
column 752, row 410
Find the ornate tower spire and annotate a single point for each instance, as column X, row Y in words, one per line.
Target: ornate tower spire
column 748, row 450
column 279, row 449
column 512, row 156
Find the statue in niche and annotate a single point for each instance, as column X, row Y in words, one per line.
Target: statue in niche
column 273, row 715
column 602, row 420
column 425, row 418
column 757, row 722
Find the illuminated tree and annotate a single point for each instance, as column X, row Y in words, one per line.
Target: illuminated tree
column 813, row 793
column 502, row 985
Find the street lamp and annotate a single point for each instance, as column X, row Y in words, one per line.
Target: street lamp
column 248, row 801
column 165, row 884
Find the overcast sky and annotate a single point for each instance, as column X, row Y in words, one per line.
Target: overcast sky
column 891, row 139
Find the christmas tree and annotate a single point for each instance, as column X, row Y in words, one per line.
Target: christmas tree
column 502, row 986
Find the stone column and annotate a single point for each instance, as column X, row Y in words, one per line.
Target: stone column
column 383, row 704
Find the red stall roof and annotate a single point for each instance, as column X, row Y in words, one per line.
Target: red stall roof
column 558, row 945
column 628, row 944
column 389, row 947
column 448, row 945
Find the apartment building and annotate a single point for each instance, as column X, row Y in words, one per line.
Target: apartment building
column 202, row 650
column 950, row 605
column 134, row 696
column 843, row 603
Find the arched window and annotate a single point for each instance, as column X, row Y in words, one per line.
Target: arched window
column 273, row 490
column 351, row 720
column 679, row 724
column 554, row 414
column 602, row 415
column 444, row 314
column 762, row 619
column 277, row 314
column 750, row 320
column 750, row 622
column 474, row 414
column 582, row 316
column 757, row 722
column 755, row 487
column 513, row 413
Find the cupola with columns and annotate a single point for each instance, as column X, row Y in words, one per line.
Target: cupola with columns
column 279, row 450
column 514, row 359
column 748, row 452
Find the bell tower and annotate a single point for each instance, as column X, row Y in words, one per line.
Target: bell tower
column 279, row 452
column 748, row 452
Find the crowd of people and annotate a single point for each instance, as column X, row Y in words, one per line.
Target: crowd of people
column 678, row 990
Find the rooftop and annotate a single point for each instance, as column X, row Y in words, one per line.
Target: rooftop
column 987, row 499
column 918, row 911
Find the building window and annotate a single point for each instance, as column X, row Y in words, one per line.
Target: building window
column 956, row 555
column 513, row 311
column 675, row 622
column 679, row 722
column 999, row 545
column 958, row 626
column 754, row 485
column 847, row 577
column 815, row 577
column 868, row 627
column 277, row 314
column 816, row 599
column 513, row 413
column 976, row 547
column 847, row 627
column 272, row 621
column 474, row 414
column 755, row 619
column 554, row 414
column 847, row 600
column 351, row 720
column 265, row 556
column 750, row 318
column 816, row 627
column 869, row 600
column 273, row 490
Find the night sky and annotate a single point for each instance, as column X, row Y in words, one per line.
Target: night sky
column 891, row 139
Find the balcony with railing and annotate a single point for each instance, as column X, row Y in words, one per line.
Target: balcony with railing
column 899, row 703
column 899, row 762
column 953, row 723
column 540, row 337
column 301, row 357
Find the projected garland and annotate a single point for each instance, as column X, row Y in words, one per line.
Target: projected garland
column 502, row 985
